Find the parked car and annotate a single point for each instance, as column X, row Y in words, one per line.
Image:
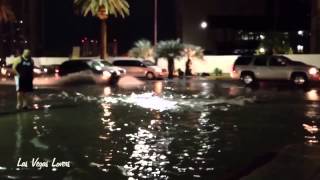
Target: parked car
column 140, row 68
column 7, row 71
column 250, row 69
column 85, row 65
column 120, row 71
column 107, row 65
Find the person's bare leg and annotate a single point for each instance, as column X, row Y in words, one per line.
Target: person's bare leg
column 19, row 100
column 26, row 99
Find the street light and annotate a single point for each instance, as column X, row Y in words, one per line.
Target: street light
column 262, row 50
column 300, row 48
column 300, row 33
column 262, row 37
column 204, row 25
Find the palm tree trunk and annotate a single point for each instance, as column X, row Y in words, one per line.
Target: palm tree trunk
column 103, row 45
column 170, row 67
column 2, row 56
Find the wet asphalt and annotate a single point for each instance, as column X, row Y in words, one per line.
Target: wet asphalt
column 168, row 129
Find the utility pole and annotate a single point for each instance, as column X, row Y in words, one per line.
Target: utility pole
column 155, row 35
column 315, row 27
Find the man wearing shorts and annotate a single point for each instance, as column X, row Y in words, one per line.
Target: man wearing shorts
column 23, row 68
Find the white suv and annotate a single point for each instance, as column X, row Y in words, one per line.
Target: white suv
column 139, row 68
column 252, row 68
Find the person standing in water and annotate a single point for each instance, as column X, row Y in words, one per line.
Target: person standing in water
column 23, row 69
column 188, row 67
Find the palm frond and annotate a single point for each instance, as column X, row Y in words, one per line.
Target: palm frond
column 170, row 49
column 6, row 13
column 142, row 49
column 111, row 7
column 191, row 50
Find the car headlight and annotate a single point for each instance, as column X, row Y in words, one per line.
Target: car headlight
column 313, row 71
column 106, row 74
column 37, row 71
column 98, row 68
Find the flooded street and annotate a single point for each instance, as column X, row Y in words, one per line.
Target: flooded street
column 178, row 129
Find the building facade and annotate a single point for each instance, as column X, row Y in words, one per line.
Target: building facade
column 231, row 27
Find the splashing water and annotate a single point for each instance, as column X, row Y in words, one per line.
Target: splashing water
column 150, row 101
column 162, row 103
column 72, row 79
column 129, row 82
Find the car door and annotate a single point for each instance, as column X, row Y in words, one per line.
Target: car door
column 128, row 65
column 70, row 67
column 278, row 67
column 260, row 67
column 140, row 69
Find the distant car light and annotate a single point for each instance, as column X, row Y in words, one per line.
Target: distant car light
column 313, row 71
column 3, row 71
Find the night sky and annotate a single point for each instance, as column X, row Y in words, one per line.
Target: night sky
column 64, row 28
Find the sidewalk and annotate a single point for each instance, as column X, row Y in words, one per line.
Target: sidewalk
column 295, row 162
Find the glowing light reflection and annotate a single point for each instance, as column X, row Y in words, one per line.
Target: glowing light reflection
column 312, row 95
column 148, row 159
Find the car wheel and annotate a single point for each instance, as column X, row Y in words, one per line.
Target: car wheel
column 114, row 79
column 150, row 76
column 299, row 79
column 248, row 79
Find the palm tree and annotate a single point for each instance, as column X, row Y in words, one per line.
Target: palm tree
column 6, row 13
column 103, row 9
column 142, row 49
column 191, row 50
column 170, row 50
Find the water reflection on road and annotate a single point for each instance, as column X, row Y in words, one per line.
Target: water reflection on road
column 313, row 116
column 194, row 129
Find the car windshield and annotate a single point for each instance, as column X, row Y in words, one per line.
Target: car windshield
column 96, row 65
column 292, row 62
column 106, row 63
column 296, row 63
column 148, row 63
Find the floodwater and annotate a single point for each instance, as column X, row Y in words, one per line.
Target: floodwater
column 178, row 129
